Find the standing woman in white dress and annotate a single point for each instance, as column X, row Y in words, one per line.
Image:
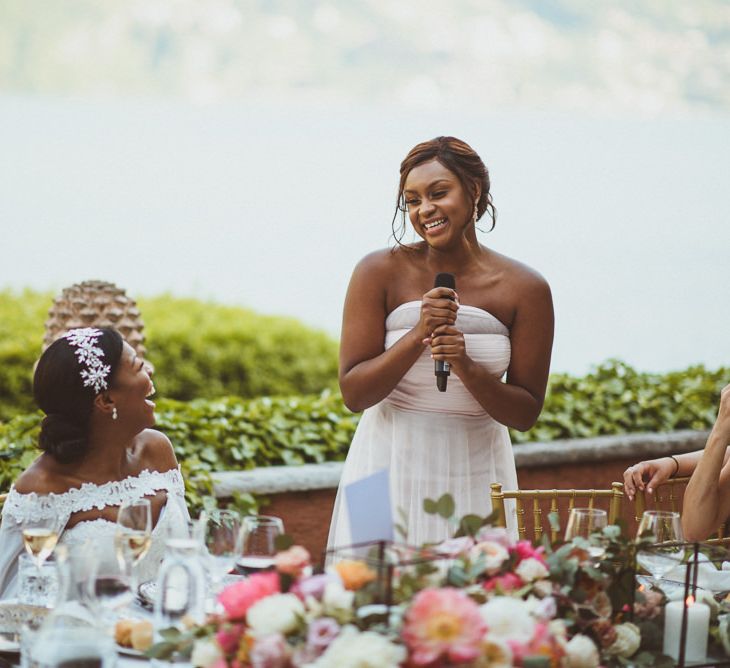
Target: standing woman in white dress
column 98, row 452
column 395, row 324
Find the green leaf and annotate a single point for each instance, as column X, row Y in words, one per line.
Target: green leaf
column 445, row 506
column 430, row 506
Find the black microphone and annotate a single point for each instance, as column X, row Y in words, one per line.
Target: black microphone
column 441, row 368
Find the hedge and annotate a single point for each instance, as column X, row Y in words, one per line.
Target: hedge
column 199, row 350
column 233, row 433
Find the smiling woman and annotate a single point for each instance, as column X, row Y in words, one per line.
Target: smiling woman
column 498, row 320
column 99, row 452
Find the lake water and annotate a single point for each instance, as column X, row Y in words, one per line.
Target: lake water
column 272, row 208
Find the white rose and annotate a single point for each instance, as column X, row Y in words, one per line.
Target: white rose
column 508, row 618
column 205, row 653
column 353, row 649
column 495, row 654
column 493, row 553
column 582, row 652
column 336, row 598
column 531, row 569
column 278, row 613
column 628, row 639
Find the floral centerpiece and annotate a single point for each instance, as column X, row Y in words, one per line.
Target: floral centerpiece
column 488, row 601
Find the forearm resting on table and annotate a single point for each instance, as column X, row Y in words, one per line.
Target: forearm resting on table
column 370, row 381
column 702, row 511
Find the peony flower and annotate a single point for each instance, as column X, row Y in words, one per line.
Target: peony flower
column 322, row 632
column 237, row 598
column 628, row 639
column 353, row 649
column 504, row 583
column 354, row 574
column 508, row 619
column 453, row 547
column 581, row 652
column 443, row 623
column 278, row 613
column 269, row 652
column 293, row 561
column 495, row 654
column 494, row 555
column 228, row 638
column 205, row 653
column 531, row 569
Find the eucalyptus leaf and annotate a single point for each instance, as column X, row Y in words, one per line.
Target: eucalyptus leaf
column 445, row 506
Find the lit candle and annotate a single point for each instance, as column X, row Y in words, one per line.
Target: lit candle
column 698, row 627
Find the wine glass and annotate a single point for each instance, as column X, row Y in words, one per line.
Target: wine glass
column 665, row 553
column 133, row 535
column 110, row 579
column 41, row 531
column 586, row 523
column 222, row 538
column 258, row 544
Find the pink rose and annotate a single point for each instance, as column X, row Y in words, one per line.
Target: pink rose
column 322, row 632
column 237, row 598
column 505, row 583
column 229, row 638
column 495, row 535
column 453, row 547
column 525, row 550
column 293, row 561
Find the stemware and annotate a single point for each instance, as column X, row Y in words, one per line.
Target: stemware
column 258, row 542
column 133, row 535
column 41, row 532
column 222, row 538
column 586, row 523
column 665, row 553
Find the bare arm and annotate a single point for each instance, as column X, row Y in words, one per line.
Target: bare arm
column 707, row 499
column 368, row 373
column 518, row 402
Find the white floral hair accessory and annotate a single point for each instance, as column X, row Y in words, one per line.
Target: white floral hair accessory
column 89, row 356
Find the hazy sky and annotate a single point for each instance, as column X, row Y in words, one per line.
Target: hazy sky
column 248, row 152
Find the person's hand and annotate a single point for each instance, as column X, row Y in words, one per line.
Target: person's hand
column 723, row 414
column 438, row 307
column 447, row 345
column 648, row 475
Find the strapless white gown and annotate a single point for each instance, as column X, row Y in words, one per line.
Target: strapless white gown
column 173, row 521
column 433, row 442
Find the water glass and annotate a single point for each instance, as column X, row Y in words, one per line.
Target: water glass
column 38, row 585
column 587, row 523
column 665, row 553
column 258, row 542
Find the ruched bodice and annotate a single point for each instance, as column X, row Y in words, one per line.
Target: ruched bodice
column 487, row 343
column 433, row 442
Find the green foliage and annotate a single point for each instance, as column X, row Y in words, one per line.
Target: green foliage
column 615, row 399
column 224, row 434
column 199, row 350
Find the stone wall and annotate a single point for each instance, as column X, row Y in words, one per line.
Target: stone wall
column 303, row 496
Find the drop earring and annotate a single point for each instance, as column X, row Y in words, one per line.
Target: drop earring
column 115, row 415
column 476, row 212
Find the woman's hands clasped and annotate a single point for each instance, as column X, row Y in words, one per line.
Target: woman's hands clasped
column 436, row 327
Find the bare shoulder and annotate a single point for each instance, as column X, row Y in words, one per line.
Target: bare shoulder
column 529, row 281
column 154, row 451
column 43, row 476
column 378, row 264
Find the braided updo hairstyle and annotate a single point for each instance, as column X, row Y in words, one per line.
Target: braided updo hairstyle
column 59, row 391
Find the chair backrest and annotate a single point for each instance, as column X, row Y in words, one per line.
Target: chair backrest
column 612, row 497
column 669, row 496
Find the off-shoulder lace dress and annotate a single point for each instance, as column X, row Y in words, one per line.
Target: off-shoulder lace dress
column 172, row 521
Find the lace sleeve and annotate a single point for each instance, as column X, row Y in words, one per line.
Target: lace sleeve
column 19, row 508
column 11, row 546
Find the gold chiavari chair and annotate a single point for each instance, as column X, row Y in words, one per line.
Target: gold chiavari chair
column 669, row 496
column 587, row 497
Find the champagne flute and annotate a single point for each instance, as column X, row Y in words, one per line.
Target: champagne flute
column 665, row 554
column 258, row 544
column 41, row 531
column 586, row 523
column 222, row 538
column 133, row 535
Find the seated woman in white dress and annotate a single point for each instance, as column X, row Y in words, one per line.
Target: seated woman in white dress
column 98, row 452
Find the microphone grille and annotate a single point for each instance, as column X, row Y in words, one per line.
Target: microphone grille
column 445, row 280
